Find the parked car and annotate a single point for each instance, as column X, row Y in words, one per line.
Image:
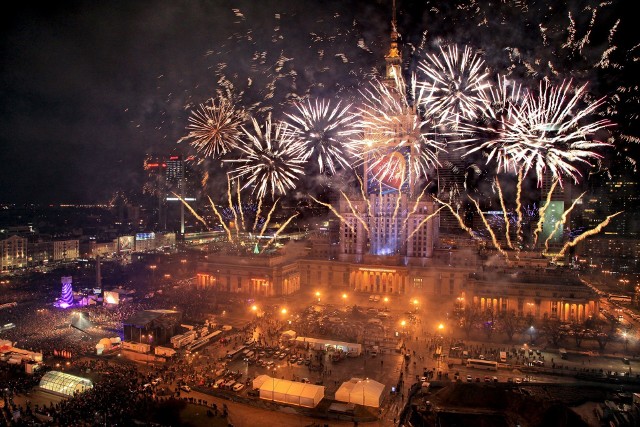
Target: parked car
column 185, row 388
column 238, row 387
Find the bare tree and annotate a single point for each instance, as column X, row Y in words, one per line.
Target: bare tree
column 489, row 322
column 553, row 331
column 509, row 324
column 469, row 319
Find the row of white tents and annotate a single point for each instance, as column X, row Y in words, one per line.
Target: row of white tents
column 365, row 392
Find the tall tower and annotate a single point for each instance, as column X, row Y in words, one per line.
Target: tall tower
column 66, row 295
column 391, row 220
column 98, row 274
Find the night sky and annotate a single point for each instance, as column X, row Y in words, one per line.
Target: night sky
column 89, row 88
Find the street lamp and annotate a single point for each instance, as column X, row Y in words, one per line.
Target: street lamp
column 283, row 311
column 403, row 323
column 153, row 272
column 318, row 296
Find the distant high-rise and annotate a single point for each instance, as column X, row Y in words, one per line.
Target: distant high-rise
column 167, row 181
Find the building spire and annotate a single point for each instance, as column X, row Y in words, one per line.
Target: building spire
column 393, row 58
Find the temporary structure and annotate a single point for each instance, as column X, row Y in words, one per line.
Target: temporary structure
column 291, row 392
column 365, row 392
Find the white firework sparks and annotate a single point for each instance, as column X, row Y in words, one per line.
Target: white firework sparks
column 390, row 124
column 273, row 160
column 457, row 83
column 326, row 131
column 550, row 131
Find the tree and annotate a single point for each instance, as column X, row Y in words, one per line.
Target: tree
column 603, row 333
column 489, row 323
column 553, row 331
column 509, row 324
column 579, row 334
column 469, row 318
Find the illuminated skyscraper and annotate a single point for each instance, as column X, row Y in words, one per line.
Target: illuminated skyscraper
column 391, row 221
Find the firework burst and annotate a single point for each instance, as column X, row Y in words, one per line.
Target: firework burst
column 457, row 83
column 215, row 128
column 272, row 162
column 389, row 123
column 326, row 131
column 548, row 132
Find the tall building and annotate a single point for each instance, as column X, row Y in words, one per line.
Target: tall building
column 13, row 253
column 389, row 219
column 167, row 181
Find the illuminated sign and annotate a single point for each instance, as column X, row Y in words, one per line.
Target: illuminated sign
column 389, row 173
column 377, row 270
column 145, row 236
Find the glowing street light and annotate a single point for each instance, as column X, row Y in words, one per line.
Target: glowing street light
column 344, row 296
column 318, row 296
column 283, row 311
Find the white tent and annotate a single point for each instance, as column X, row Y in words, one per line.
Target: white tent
column 291, row 392
column 290, row 334
column 259, row 380
column 361, row 392
column 322, row 344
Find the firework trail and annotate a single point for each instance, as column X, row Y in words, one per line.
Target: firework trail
column 335, row 212
column 586, row 234
column 268, row 220
column 272, row 160
column 519, row 206
column 413, row 210
column 424, row 221
column 542, row 211
column 215, row 129
column 364, row 196
column 504, row 213
column 258, row 211
column 233, row 211
column 457, row 83
column 397, row 207
column 198, row 217
column 562, row 220
column 494, row 239
column 213, row 206
column 325, row 132
column 277, row 233
column 355, row 213
column 457, row 216
column 240, row 206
